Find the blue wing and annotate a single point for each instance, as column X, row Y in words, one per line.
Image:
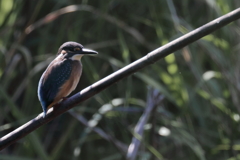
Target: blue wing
column 51, row 81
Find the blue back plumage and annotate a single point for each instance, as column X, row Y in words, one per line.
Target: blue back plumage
column 51, row 81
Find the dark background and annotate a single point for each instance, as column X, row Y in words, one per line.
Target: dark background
column 200, row 111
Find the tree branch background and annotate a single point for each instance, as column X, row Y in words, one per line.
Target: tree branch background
column 200, row 82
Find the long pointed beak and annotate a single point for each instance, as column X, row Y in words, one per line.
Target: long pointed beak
column 89, row 51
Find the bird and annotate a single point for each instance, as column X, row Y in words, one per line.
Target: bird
column 62, row 74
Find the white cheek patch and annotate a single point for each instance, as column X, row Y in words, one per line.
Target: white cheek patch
column 63, row 52
column 77, row 57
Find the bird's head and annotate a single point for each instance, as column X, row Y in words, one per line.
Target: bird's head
column 73, row 51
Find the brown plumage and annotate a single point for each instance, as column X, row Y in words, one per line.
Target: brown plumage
column 71, row 83
column 62, row 75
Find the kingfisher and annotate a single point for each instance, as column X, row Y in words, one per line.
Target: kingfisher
column 62, row 75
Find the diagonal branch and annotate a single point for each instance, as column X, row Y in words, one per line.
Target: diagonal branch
column 154, row 98
column 118, row 75
column 119, row 145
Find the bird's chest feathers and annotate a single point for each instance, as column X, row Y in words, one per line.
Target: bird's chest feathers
column 75, row 74
column 71, row 83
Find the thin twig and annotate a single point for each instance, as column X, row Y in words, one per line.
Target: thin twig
column 153, row 100
column 73, row 8
column 121, row 146
column 118, row 75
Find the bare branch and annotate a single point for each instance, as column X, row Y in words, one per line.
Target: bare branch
column 119, row 145
column 118, row 75
column 153, row 100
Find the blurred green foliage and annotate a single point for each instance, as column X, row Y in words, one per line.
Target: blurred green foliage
column 200, row 82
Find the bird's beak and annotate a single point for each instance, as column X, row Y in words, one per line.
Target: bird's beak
column 88, row 51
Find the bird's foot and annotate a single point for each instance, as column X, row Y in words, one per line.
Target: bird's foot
column 57, row 104
column 64, row 98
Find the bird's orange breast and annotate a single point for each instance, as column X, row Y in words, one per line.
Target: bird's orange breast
column 70, row 84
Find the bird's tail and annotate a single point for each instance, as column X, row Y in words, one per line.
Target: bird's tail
column 45, row 108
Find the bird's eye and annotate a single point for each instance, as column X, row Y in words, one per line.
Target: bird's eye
column 76, row 49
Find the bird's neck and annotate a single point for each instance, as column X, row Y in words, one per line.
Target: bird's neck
column 76, row 57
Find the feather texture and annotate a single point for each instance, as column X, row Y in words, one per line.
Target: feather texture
column 62, row 75
column 58, row 81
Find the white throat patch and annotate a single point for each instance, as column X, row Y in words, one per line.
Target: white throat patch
column 77, row 57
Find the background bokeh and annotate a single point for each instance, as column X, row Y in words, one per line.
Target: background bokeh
column 198, row 117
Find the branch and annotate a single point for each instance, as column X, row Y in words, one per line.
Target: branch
column 118, row 144
column 118, row 75
column 154, row 98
